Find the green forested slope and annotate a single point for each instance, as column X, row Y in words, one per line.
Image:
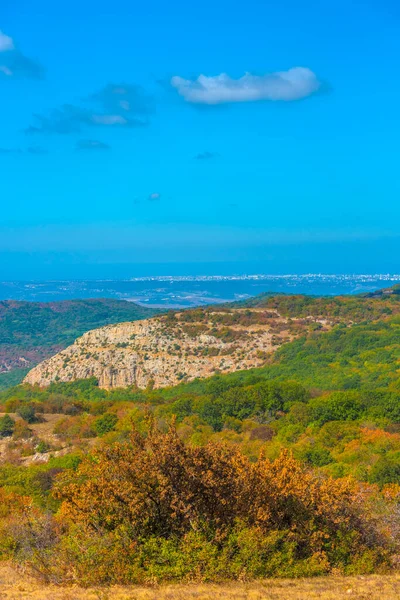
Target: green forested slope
column 32, row 331
column 291, row 469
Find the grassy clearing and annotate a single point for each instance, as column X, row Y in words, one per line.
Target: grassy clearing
column 13, row 586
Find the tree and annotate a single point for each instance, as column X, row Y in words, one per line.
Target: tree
column 105, row 423
column 7, row 425
column 27, row 413
column 385, row 471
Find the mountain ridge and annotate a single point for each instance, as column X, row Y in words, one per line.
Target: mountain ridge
column 197, row 343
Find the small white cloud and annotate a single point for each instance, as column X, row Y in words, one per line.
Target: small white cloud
column 6, row 42
column 155, row 196
column 293, row 84
column 113, row 106
column 13, row 63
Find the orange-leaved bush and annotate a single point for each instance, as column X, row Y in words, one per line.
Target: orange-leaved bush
column 153, row 508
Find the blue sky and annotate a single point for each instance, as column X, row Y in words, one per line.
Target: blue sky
column 227, row 135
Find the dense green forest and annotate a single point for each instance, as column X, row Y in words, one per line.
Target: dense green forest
column 33, row 331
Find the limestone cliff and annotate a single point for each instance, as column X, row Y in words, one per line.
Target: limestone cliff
column 165, row 350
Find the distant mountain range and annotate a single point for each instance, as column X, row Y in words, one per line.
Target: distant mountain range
column 32, row 331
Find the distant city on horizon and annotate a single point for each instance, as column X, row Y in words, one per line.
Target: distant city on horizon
column 185, row 291
column 233, row 277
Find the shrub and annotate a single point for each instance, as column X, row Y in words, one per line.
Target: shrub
column 42, row 447
column 155, row 509
column 316, row 456
column 339, row 406
column 80, row 426
column 21, row 431
column 105, row 423
column 27, row 413
column 265, row 433
column 385, row 471
column 7, row 425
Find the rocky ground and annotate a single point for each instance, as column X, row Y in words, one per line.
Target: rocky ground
column 165, row 350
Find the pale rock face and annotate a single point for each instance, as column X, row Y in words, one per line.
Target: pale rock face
column 164, row 352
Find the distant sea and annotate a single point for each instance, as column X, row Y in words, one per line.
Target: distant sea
column 188, row 291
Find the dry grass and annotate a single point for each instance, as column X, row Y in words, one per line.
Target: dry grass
column 43, row 430
column 374, row 587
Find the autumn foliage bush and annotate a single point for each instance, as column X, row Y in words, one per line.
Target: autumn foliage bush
column 154, row 509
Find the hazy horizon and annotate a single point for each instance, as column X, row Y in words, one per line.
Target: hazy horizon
column 170, row 291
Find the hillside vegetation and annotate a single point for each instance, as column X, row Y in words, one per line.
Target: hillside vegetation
column 182, row 346
column 32, row 331
column 291, row 469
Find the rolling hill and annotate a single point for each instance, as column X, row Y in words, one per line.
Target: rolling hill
column 198, row 343
column 32, row 331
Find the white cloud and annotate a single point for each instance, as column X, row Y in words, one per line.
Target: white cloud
column 6, row 43
column 13, row 63
column 293, row 84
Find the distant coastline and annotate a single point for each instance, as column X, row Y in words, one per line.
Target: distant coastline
column 186, row 291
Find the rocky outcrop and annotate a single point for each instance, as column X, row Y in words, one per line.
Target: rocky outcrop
column 165, row 350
